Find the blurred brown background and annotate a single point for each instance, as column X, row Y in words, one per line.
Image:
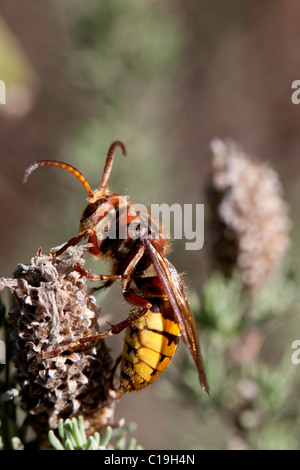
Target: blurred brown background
column 164, row 77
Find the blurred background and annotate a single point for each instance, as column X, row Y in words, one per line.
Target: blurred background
column 165, row 78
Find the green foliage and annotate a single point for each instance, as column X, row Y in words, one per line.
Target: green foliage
column 222, row 306
column 276, row 437
column 253, row 392
column 14, row 65
column 106, row 36
column 278, row 297
column 72, row 436
column 122, row 52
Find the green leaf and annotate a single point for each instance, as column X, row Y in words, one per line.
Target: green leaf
column 104, row 440
column 54, row 441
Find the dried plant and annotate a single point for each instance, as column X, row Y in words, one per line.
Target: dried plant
column 249, row 226
column 54, row 305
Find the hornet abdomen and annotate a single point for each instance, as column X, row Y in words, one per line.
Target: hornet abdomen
column 149, row 344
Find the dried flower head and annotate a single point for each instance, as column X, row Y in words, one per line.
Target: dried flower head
column 54, row 305
column 249, row 227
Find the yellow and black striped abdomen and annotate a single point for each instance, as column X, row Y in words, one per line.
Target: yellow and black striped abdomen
column 149, row 344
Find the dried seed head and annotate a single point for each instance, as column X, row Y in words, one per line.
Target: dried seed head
column 53, row 306
column 249, row 227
